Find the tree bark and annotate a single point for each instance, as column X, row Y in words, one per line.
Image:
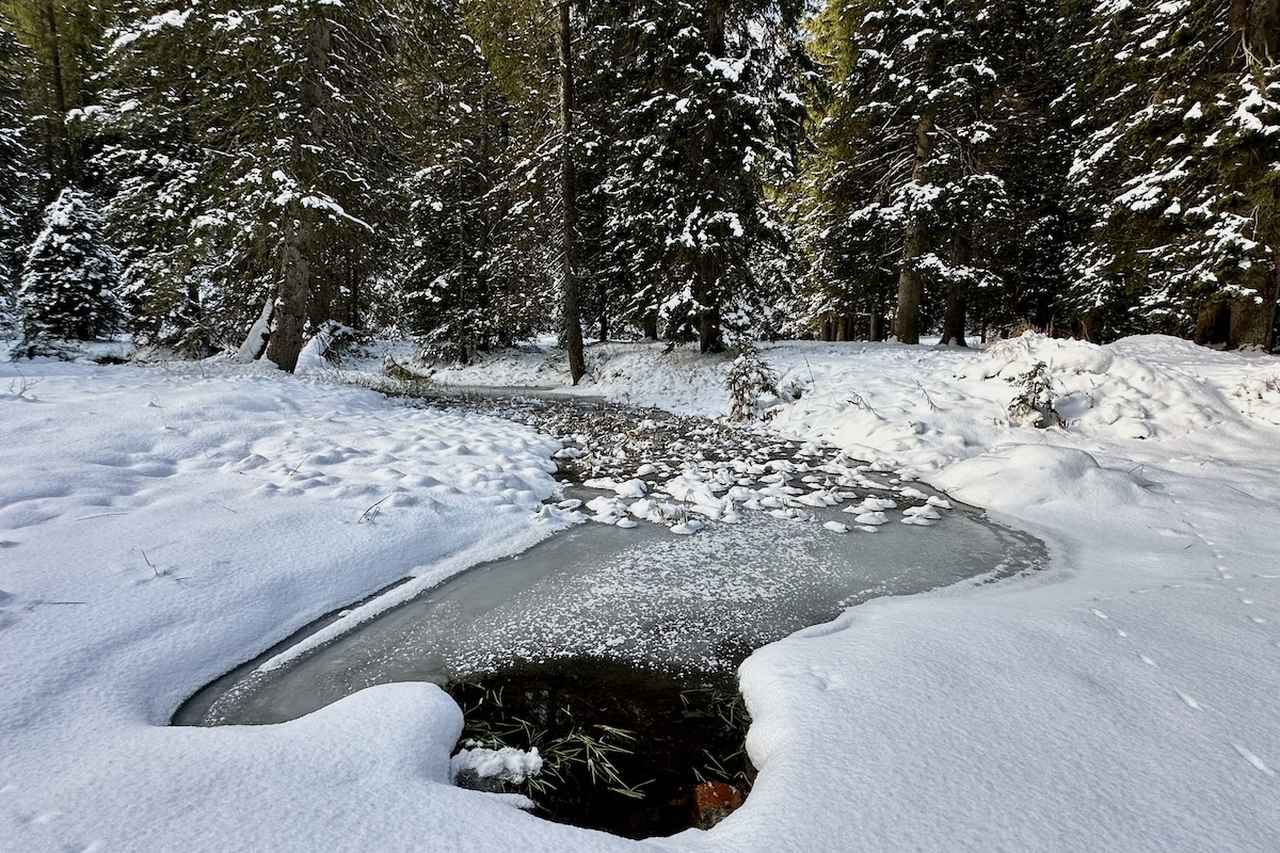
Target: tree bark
column 285, row 344
column 1213, row 324
column 910, row 280
column 710, row 268
column 954, row 316
column 569, row 198
column 62, row 140
column 1253, row 319
column 879, row 326
column 298, row 243
column 651, row 325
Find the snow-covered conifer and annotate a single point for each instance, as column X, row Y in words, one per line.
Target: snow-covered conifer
column 67, row 289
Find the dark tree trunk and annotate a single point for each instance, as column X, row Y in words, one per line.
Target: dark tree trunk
column 602, row 297
column 710, row 269
column 285, row 344
column 1213, row 324
column 954, row 316
column 651, row 326
column 879, row 326
column 1253, row 319
column 298, row 238
column 60, row 139
column 710, row 338
column 916, row 244
column 571, row 320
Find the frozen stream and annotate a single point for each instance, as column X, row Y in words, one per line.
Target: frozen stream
column 643, row 597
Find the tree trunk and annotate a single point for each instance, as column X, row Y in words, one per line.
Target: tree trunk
column 602, row 297
column 953, row 319
column 285, row 344
column 954, row 316
column 58, row 127
column 298, row 231
column 710, row 338
column 651, row 325
column 1213, row 324
column 710, row 269
column 879, row 326
column 569, row 198
column 910, row 280
column 1253, row 319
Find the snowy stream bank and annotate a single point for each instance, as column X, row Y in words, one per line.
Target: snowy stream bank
column 156, row 524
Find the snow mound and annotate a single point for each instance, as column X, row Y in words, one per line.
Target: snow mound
column 1017, row 477
column 1102, row 392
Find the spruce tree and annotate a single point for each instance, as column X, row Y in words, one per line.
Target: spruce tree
column 67, row 290
column 1177, row 107
column 706, row 121
column 17, row 177
column 295, row 105
column 149, row 167
column 479, row 248
column 909, row 184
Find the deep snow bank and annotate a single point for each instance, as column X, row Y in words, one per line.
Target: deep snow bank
column 1122, row 701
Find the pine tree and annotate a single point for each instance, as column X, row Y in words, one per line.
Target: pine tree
column 61, row 38
column 909, row 188
column 296, row 104
column 17, row 177
column 1177, row 105
column 149, row 167
column 478, row 271
column 706, row 122
column 68, row 281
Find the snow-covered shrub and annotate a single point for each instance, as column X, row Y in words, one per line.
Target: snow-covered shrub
column 1033, row 405
column 67, row 287
column 749, row 377
column 326, row 348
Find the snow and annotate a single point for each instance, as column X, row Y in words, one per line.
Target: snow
column 508, row 764
column 160, row 526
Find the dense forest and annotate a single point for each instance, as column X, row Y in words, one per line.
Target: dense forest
column 468, row 173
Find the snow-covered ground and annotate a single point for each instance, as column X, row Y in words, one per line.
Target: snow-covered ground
column 159, row 526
